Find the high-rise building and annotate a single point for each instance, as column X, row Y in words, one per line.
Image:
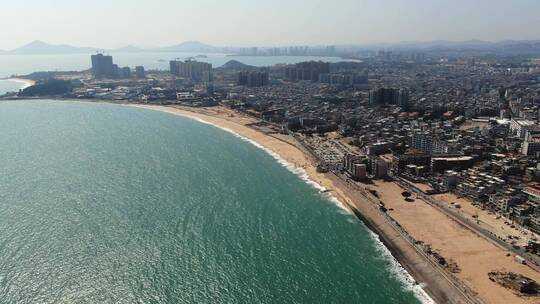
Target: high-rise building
column 115, row 71
column 378, row 168
column 139, row 72
column 103, row 67
column 330, row 50
column 531, row 147
column 389, row 96
column 124, row 72
column 428, row 143
column 520, row 127
column 382, row 96
column 307, row 71
column 403, row 99
column 418, row 57
column 344, row 79
column 356, row 166
column 192, row 70
column 422, row 141
column 173, row 67
column 253, row 79
column 531, row 144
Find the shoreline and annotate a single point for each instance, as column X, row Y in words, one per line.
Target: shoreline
column 26, row 82
column 432, row 285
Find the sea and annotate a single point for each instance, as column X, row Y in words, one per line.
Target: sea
column 25, row 64
column 11, row 85
column 103, row 203
column 20, row 65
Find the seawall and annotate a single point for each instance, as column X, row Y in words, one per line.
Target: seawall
column 440, row 286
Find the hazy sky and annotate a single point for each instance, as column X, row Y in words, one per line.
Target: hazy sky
column 116, row 23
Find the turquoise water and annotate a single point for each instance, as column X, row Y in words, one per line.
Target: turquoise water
column 25, row 64
column 110, row 204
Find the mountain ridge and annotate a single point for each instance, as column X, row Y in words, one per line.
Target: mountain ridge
column 39, row 47
column 236, row 65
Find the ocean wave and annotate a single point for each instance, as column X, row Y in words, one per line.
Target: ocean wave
column 396, row 269
column 399, row 272
column 24, row 82
column 300, row 172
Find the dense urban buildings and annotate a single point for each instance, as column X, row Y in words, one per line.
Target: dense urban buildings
column 103, row 67
column 307, row 71
column 192, row 70
column 387, row 96
column 345, row 79
column 458, row 132
column 253, row 79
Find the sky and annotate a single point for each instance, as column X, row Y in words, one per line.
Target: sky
column 117, row 23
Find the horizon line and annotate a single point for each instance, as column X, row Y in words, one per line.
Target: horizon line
column 351, row 44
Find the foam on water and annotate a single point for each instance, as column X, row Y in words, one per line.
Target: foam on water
column 300, row 172
column 400, row 273
column 396, row 269
column 24, row 83
column 13, row 85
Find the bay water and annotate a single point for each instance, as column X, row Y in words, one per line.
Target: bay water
column 105, row 203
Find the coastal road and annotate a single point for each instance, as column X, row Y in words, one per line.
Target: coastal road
column 532, row 261
column 440, row 285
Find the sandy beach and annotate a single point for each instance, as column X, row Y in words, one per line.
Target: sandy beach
column 25, row 82
column 282, row 145
column 488, row 219
column 290, row 150
column 474, row 256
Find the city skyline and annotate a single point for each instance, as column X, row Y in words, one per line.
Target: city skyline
column 242, row 23
column 349, row 151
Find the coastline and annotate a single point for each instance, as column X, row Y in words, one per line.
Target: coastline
column 433, row 285
column 403, row 231
column 291, row 155
column 26, row 82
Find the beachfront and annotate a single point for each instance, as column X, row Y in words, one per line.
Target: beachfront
column 24, row 82
column 441, row 287
column 473, row 256
column 13, row 85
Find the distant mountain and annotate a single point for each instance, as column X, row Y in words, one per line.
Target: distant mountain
column 442, row 47
column 470, row 45
column 188, row 46
column 40, row 47
column 129, row 49
column 235, row 65
column 529, row 47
